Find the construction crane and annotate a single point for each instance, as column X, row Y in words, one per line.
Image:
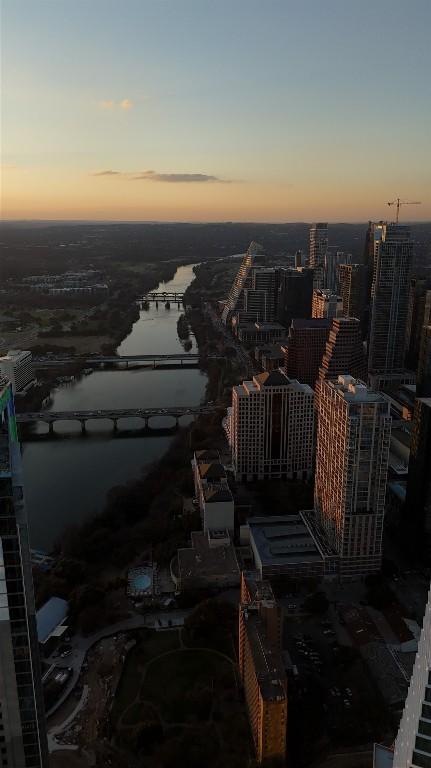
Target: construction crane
column 399, row 203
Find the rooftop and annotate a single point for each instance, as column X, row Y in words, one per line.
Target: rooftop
column 217, row 493
column 267, row 659
column 213, row 471
column 310, row 322
column 355, row 390
column 202, row 564
column 283, row 539
column 50, row 616
column 207, row 455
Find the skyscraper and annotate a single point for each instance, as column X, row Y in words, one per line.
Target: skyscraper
column 261, row 667
column 423, row 378
column 318, row 248
column 333, row 260
column 353, row 290
column 240, row 280
column 418, row 315
column 325, row 303
column 353, row 435
column 344, row 352
column 392, row 262
column 412, row 747
column 295, row 294
column 23, row 738
column 304, row 349
column 418, row 498
column 271, row 428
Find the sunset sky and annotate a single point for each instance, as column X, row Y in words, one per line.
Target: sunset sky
column 186, row 110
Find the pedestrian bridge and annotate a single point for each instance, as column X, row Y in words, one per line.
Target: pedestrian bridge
column 115, row 415
column 178, row 360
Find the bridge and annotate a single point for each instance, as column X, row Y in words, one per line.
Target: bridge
column 50, row 417
column 175, row 296
column 178, row 360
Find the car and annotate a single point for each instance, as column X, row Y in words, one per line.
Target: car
column 65, row 653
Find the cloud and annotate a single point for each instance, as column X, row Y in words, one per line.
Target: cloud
column 174, row 177
column 171, row 178
column 124, row 104
column 107, row 173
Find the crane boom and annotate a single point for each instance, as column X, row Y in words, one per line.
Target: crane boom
column 398, row 202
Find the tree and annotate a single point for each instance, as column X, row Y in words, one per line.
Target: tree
column 316, row 603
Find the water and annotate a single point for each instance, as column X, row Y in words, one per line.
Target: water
column 67, row 480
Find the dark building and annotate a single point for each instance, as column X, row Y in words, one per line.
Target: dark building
column 423, row 379
column 418, row 315
column 295, row 294
column 305, row 347
column 418, row 499
column 354, row 291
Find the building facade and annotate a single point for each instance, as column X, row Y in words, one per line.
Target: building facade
column 261, row 668
column 22, row 733
column 240, row 280
column 423, row 378
column 295, row 294
column 304, row 350
column 353, row 437
column 353, row 290
column 393, row 251
column 272, row 428
column 418, row 498
column 325, row 303
column 317, row 250
column 17, row 367
column 344, row 351
column 332, row 262
column 418, row 315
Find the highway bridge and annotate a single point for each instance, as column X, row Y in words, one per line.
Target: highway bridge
column 174, row 296
column 115, row 415
column 178, row 360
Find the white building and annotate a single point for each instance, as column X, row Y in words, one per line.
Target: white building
column 215, row 499
column 353, row 437
column 17, row 366
column 271, row 428
column 413, row 743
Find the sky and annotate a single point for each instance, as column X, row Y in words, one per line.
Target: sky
column 215, row 110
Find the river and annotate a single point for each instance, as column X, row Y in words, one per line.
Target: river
column 66, row 480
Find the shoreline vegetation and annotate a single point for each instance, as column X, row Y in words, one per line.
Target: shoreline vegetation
column 146, row 514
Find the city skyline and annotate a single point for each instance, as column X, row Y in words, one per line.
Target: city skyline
column 199, row 112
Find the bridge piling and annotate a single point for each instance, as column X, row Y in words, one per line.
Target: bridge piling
column 51, row 428
column 115, row 423
column 83, row 426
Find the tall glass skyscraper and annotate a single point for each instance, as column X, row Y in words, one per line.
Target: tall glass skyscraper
column 22, row 721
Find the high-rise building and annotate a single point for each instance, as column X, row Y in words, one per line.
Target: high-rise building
column 418, row 497
column 344, row 352
column 240, row 280
column 17, row 367
column 423, row 378
column 412, row 748
column 317, row 250
column 271, row 428
column 353, row 290
column 418, row 315
column 353, row 436
column 261, row 667
column 304, row 350
column 325, row 303
column 393, row 251
column 332, row 262
column 258, row 302
column 22, row 722
column 295, row 294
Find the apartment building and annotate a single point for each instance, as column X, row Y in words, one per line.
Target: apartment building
column 304, row 350
column 17, row 367
column 271, row 428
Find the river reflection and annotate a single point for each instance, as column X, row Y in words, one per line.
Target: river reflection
column 67, row 479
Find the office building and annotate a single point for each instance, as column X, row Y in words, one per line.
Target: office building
column 353, row 290
column 353, row 436
column 210, row 562
column 418, row 315
column 17, row 367
column 261, row 667
column 22, row 720
column 344, row 352
column 325, row 303
column 272, row 428
column 317, row 251
column 304, row 350
column 412, row 748
column 331, row 264
column 418, row 498
column 295, row 294
column 423, row 378
column 235, row 293
column 393, row 251
column 212, row 492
